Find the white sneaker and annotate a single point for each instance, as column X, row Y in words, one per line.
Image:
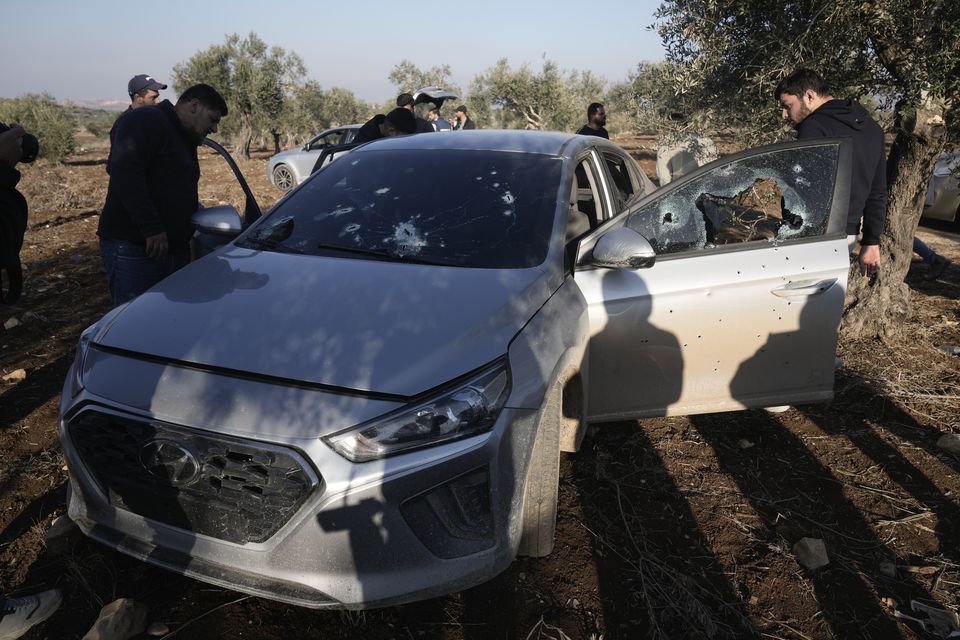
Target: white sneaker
column 19, row 614
column 783, row 408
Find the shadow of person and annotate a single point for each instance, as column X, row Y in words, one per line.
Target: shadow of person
column 219, row 279
column 635, row 366
column 920, row 476
column 654, row 565
column 796, row 495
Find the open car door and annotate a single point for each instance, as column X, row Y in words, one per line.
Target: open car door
column 742, row 304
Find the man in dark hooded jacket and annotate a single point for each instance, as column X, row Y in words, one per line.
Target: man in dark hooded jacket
column 805, row 100
column 13, row 215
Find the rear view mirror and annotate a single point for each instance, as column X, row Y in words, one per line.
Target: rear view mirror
column 623, row 248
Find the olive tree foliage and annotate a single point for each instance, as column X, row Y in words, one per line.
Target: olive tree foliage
column 254, row 79
column 521, row 98
column 41, row 115
column 408, row 77
column 310, row 109
column 732, row 53
column 647, row 103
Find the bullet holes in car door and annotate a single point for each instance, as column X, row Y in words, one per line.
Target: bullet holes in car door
column 758, row 198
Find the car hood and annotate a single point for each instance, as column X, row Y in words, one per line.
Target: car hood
column 354, row 324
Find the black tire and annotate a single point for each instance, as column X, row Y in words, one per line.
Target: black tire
column 541, row 489
column 283, row 177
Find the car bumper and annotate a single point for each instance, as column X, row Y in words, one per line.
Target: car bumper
column 362, row 535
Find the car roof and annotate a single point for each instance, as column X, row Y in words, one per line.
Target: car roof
column 554, row 143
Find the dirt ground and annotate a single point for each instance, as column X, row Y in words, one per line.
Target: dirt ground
column 673, row 527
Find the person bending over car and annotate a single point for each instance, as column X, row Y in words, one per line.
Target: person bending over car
column 397, row 122
column 145, row 225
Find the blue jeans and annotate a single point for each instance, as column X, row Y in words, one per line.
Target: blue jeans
column 130, row 271
column 921, row 249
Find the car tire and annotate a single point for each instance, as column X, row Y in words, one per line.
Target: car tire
column 541, row 489
column 283, row 177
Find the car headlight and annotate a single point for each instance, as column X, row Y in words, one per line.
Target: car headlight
column 83, row 345
column 467, row 409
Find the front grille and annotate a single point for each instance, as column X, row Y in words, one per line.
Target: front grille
column 227, row 488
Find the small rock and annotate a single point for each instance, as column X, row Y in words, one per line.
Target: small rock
column 15, row 376
column 11, row 323
column 811, row 553
column 950, row 442
column 158, row 629
column 754, row 600
column 60, row 535
column 120, row 620
column 888, row 569
column 743, row 443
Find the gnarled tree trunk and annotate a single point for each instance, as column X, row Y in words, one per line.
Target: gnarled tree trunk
column 877, row 306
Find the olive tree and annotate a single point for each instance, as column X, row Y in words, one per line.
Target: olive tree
column 548, row 99
column 732, row 53
column 41, row 115
column 254, row 79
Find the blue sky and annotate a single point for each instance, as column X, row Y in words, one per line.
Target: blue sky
column 87, row 50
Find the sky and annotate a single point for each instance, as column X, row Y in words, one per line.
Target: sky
column 82, row 50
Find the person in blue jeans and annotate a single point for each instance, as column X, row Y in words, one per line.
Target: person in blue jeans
column 936, row 264
column 145, row 224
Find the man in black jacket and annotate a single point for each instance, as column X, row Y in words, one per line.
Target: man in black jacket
column 805, row 100
column 145, row 225
column 13, row 215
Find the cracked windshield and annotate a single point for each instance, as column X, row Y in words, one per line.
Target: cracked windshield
column 491, row 210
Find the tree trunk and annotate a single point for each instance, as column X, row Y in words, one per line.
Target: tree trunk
column 877, row 306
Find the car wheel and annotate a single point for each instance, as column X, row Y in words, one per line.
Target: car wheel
column 543, row 478
column 283, row 177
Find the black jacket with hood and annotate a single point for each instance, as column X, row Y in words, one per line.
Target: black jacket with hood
column 868, row 183
column 13, row 224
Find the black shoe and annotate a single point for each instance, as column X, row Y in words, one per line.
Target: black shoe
column 937, row 267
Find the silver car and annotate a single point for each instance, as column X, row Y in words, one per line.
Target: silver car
column 362, row 399
column 289, row 168
column 943, row 192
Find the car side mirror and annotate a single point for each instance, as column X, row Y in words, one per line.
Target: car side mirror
column 623, row 248
column 221, row 220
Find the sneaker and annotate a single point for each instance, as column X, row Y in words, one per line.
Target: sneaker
column 937, row 267
column 19, row 614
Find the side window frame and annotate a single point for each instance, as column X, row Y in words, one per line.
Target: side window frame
column 837, row 215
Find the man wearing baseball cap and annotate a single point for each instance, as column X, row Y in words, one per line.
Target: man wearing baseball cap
column 462, row 121
column 143, row 90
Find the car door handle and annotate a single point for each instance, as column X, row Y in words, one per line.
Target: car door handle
column 804, row 288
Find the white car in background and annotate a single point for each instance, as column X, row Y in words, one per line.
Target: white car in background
column 289, row 168
column 943, row 194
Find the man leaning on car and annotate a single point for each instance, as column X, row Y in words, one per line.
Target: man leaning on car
column 806, row 102
column 145, row 225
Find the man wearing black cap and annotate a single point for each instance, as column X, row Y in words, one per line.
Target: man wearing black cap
column 405, row 100
column 143, row 91
column 462, row 121
column 397, row 122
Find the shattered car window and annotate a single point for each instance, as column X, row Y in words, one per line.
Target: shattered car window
column 471, row 209
column 770, row 197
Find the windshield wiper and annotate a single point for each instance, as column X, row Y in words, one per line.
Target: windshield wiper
column 380, row 253
column 270, row 244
